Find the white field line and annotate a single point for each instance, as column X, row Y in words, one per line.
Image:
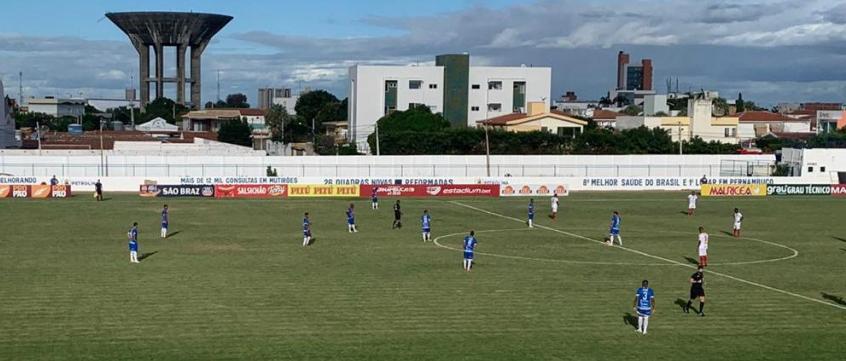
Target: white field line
column 756, row 284
column 435, row 241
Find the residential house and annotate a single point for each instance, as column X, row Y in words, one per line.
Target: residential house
column 538, row 118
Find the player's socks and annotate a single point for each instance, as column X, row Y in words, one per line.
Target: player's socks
column 640, row 324
column 701, row 308
column 687, row 307
column 620, row 239
column 645, row 324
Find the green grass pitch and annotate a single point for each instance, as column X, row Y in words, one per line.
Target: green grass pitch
column 234, row 282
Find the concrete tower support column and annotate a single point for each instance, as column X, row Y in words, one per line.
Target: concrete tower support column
column 144, row 73
column 180, row 73
column 196, row 84
column 159, row 71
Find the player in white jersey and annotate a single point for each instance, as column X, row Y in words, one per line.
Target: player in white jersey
column 703, row 247
column 691, row 203
column 554, row 206
column 738, row 219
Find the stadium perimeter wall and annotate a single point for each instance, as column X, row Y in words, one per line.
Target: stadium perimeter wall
column 73, row 164
column 132, row 184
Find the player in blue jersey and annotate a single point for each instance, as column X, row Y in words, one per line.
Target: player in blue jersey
column 614, row 231
column 306, row 230
column 374, row 198
column 351, row 219
column 644, row 305
column 133, row 243
column 469, row 248
column 165, row 221
column 531, row 220
column 426, row 222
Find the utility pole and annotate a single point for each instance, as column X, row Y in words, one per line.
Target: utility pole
column 20, row 88
column 38, row 134
column 377, row 139
column 680, row 139
column 102, row 163
column 487, row 151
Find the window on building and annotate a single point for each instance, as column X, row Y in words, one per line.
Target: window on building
column 494, row 107
column 494, row 85
column 433, row 108
column 569, row 132
column 474, row 109
column 822, row 169
column 390, row 84
column 475, row 86
column 810, row 169
column 414, row 105
column 727, row 132
column 545, row 129
column 433, row 86
column 415, row 84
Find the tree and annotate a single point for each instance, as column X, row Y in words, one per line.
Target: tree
column 719, row 107
column 632, row 110
column 235, row 132
column 162, row 108
column 309, row 104
column 741, row 107
column 418, row 119
column 208, row 105
column 237, row 100
column 277, row 119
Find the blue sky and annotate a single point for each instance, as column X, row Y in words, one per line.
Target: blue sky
column 771, row 50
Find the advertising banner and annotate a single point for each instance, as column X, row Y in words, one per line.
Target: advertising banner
column 179, row 190
column 40, row 191
column 733, row 190
column 522, row 189
column 799, row 189
column 445, row 190
column 251, row 191
column 320, row 190
column 837, row 190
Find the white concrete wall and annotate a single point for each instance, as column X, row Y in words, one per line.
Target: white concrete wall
column 820, row 165
column 90, row 164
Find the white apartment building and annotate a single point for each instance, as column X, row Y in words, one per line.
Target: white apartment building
column 7, row 123
column 57, row 107
column 464, row 94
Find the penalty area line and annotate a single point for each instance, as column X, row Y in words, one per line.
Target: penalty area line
column 741, row 280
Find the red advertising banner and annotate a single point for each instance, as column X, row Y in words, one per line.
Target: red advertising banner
column 251, row 191
column 838, row 190
column 34, row 191
column 442, row 190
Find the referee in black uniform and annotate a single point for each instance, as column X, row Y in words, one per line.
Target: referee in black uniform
column 696, row 291
column 397, row 216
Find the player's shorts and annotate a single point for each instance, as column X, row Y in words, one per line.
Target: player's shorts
column 737, row 225
column 164, row 225
column 703, row 252
column 426, row 230
column 531, row 216
column 306, row 233
column 691, row 206
column 696, row 290
column 351, row 221
column 468, row 255
column 615, row 231
column 555, row 209
column 397, row 216
column 644, row 313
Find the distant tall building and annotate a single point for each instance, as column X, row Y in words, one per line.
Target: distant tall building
column 268, row 97
column 7, row 122
column 633, row 77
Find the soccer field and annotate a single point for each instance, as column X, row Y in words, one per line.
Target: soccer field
column 234, row 282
